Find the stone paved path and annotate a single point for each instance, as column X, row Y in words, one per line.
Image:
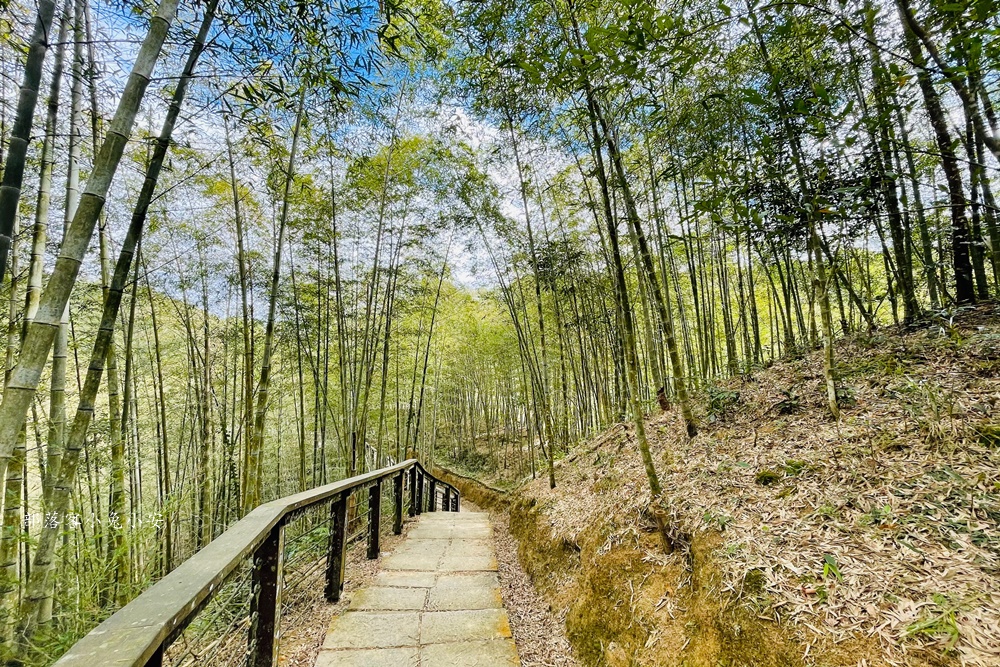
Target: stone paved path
column 436, row 603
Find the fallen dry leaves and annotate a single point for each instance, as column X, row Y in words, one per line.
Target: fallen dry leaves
column 538, row 632
column 884, row 525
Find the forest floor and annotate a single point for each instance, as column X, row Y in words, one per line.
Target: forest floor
column 538, row 632
column 797, row 539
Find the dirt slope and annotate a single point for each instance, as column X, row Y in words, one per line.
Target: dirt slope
column 799, row 541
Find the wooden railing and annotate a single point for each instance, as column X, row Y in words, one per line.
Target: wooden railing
column 142, row 632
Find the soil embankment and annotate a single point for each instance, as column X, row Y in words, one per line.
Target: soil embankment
column 798, row 540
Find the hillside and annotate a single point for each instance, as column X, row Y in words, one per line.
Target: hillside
column 797, row 540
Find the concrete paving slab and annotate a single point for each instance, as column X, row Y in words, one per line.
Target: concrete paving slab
column 421, row 548
column 460, row 626
column 429, row 533
column 467, row 579
column 404, row 562
column 495, row 653
column 388, row 599
column 406, row 579
column 379, row 657
column 448, row 518
column 370, row 629
column 467, row 563
column 471, row 532
column 469, row 548
column 456, row 518
column 465, row 591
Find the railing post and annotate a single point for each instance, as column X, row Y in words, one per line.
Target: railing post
column 265, row 601
column 433, row 496
column 374, row 518
column 456, row 503
column 397, row 516
column 155, row 660
column 420, row 492
column 336, row 557
column 446, row 499
column 413, row 491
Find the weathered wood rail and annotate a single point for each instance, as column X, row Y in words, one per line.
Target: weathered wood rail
column 140, row 633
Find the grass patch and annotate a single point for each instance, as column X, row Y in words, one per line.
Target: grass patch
column 989, row 434
column 767, row 477
column 939, row 622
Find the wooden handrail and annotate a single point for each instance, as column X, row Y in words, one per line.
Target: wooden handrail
column 138, row 634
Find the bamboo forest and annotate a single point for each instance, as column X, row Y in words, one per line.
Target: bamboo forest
column 679, row 315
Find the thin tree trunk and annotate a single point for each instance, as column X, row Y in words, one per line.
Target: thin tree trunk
column 680, row 379
column 10, row 538
column 17, row 148
column 41, row 571
column 12, row 523
column 255, row 454
column 247, row 330
column 42, row 332
column 544, row 370
column 961, row 262
column 163, row 431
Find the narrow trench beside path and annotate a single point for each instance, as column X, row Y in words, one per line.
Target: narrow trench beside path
column 539, row 631
column 436, row 603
